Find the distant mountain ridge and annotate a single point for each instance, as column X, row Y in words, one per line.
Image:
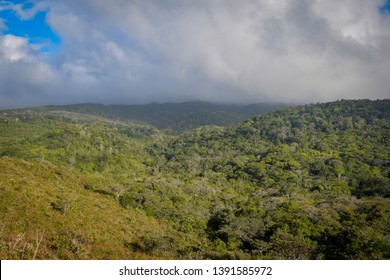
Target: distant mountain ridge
column 173, row 118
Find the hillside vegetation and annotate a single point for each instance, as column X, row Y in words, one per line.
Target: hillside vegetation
column 172, row 118
column 306, row 182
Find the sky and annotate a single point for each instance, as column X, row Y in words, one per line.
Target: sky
column 226, row 51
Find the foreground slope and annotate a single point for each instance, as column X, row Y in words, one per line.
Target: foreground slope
column 307, row 182
column 61, row 176
column 48, row 212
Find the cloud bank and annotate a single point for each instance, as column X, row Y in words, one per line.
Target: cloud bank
column 226, row 51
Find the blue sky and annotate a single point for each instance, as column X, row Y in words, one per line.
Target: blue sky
column 385, row 8
column 70, row 51
column 35, row 29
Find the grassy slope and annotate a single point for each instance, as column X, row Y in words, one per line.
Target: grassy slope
column 45, row 203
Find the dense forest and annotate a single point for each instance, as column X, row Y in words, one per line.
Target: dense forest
column 303, row 182
column 173, row 118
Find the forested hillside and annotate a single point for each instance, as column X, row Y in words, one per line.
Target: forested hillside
column 306, row 182
column 173, row 118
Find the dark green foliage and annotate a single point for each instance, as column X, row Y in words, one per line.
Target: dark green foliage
column 306, row 182
column 173, row 118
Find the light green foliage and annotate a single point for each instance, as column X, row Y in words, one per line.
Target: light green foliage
column 307, row 182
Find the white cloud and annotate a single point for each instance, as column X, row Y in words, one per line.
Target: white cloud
column 13, row 48
column 23, row 12
column 355, row 20
column 297, row 50
column 232, row 51
column 25, row 77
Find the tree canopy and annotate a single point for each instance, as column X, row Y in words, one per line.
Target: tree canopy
column 304, row 182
